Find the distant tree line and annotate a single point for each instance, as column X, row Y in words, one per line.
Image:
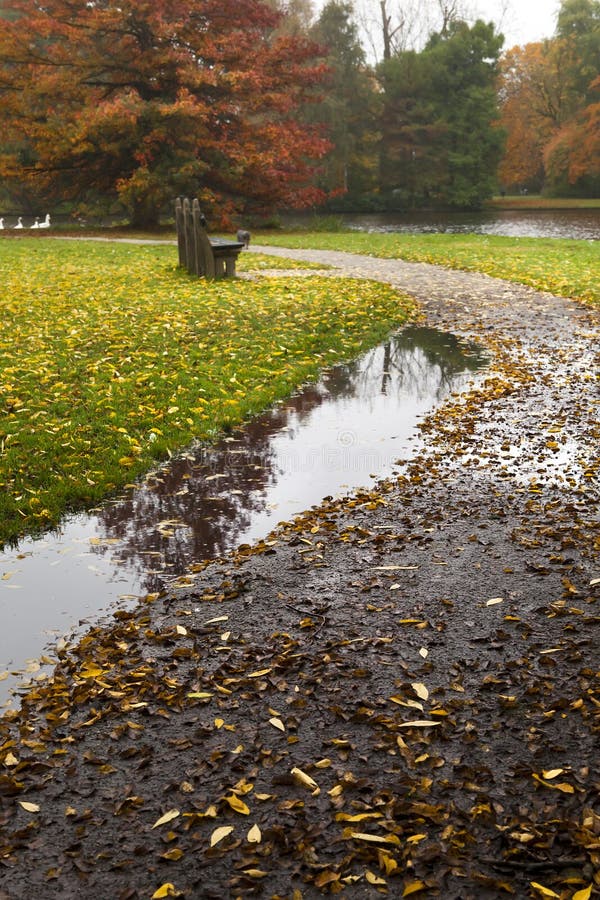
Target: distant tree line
column 550, row 107
column 256, row 105
column 444, row 119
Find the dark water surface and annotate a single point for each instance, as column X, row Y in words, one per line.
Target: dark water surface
column 327, row 439
column 580, row 224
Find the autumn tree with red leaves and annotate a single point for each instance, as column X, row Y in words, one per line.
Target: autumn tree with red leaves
column 143, row 100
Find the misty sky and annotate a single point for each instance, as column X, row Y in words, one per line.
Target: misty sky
column 520, row 21
column 525, row 21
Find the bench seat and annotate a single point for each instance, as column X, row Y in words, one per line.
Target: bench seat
column 225, row 256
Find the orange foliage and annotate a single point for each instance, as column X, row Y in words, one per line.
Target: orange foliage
column 530, row 94
column 147, row 99
column 550, row 133
column 575, row 150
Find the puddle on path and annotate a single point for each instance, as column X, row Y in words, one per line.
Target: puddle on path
column 327, row 439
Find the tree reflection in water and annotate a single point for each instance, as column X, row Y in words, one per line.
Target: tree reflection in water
column 328, row 437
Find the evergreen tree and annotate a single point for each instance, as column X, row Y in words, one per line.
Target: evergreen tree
column 578, row 26
column 464, row 69
column 349, row 105
column 441, row 143
column 411, row 132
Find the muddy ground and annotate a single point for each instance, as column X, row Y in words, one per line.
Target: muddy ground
column 396, row 694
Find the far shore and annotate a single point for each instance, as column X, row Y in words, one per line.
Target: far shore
column 535, row 201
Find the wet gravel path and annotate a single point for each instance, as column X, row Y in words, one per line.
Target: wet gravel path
column 396, row 694
column 430, row 284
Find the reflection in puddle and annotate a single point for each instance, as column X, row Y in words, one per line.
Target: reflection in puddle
column 327, row 439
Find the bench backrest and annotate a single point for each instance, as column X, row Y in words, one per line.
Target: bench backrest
column 193, row 245
column 197, row 253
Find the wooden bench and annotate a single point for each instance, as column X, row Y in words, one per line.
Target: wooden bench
column 199, row 254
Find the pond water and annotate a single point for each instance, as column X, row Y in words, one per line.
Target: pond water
column 333, row 436
column 581, row 224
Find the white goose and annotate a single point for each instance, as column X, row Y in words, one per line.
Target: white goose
column 1, row 224
column 36, row 224
column 19, row 223
column 46, row 222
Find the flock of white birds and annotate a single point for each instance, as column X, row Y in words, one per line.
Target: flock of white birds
column 36, row 224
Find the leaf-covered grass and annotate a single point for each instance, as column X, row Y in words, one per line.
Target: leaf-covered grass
column 257, row 262
column 111, row 357
column 568, row 268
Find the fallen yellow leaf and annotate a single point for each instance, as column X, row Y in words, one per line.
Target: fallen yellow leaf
column 562, row 786
column 220, row 833
column 306, row 780
column 375, row 838
column 358, row 817
column 418, row 723
column 543, row 891
column 327, row 876
column 167, row 817
column 388, row 863
column 165, row 890
column 91, row 670
column 583, row 894
column 565, row 787
column 254, row 836
column 420, row 690
column 173, row 855
column 413, row 704
column 29, row 807
column 238, row 805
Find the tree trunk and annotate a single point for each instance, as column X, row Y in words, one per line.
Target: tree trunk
column 144, row 215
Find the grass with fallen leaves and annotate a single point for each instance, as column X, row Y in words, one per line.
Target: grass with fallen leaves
column 112, row 358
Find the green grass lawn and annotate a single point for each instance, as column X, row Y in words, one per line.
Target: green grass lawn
column 111, row 358
column 565, row 267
